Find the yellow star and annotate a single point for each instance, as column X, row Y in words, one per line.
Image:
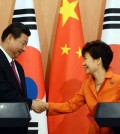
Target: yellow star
column 65, row 49
column 67, row 10
column 79, row 52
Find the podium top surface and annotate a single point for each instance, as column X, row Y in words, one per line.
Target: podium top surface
column 14, row 110
column 108, row 110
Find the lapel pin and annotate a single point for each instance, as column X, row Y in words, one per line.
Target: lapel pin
column 111, row 82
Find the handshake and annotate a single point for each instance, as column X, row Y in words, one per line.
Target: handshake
column 39, row 106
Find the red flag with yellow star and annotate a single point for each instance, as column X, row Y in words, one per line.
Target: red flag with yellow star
column 67, row 73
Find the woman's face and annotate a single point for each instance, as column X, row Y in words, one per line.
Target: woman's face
column 90, row 64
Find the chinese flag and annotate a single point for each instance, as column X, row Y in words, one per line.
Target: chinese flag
column 67, row 73
column 111, row 31
column 31, row 61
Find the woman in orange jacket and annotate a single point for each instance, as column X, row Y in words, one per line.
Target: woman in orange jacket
column 102, row 85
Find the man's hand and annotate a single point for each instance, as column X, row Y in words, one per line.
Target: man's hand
column 39, row 106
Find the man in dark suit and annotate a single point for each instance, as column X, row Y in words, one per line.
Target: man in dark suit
column 12, row 81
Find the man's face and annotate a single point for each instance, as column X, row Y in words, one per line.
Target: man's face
column 17, row 46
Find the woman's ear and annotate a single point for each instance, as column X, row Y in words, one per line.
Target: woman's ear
column 99, row 60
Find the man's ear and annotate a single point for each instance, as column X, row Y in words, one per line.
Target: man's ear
column 9, row 38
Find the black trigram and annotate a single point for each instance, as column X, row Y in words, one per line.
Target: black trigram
column 112, row 18
column 27, row 16
column 35, row 126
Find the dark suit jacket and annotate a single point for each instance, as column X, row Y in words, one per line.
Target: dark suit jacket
column 9, row 87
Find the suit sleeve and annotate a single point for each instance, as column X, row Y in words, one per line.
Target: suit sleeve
column 70, row 106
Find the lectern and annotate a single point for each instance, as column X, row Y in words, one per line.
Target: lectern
column 108, row 114
column 14, row 114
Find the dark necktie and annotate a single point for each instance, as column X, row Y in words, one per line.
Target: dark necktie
column 15, row 73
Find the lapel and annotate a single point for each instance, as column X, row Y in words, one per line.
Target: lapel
column 9, row 72
column 91, row 86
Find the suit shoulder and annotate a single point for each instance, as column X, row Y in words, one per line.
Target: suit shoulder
column 116, row 77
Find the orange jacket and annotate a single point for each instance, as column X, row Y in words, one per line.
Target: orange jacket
column 108, row 92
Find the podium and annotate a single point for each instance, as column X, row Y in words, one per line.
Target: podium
column 108, row 115
column 14, row 114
